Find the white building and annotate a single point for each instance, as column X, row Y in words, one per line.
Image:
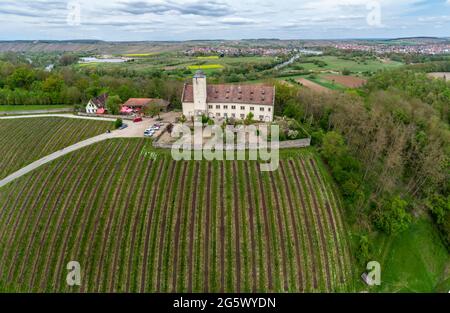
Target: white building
column 97, row 105
column 228, row 101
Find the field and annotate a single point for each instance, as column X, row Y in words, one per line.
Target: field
column 313, row 85
column 441, row 75
column 414, row 261
column 11, row 108
column 23, row 141
column 347, row 81
column 205, row 67
column 138, row 221
column 338, row 64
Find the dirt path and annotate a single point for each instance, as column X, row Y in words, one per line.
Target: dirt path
column 293, row 219
column 281, row 230
column 207, row 225
column 191, row 229
column 266, row 228
column 252, row 231
column 222, row 229
column 237, row 235
column 177, row 229
column 307, row 225
column 157, row 185
column 313, row 86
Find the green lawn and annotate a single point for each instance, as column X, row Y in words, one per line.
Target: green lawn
column 12, row 108
column 414, row 261
column 338, row 64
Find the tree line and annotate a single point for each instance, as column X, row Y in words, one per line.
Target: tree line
column 387, row 146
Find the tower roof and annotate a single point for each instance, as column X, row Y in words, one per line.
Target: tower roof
column 199, row 74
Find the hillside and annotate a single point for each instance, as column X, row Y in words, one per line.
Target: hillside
column 23, row 141
column 138, row 221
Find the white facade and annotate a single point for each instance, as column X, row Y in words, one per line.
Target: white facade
column 91, row 108
column 199, row 104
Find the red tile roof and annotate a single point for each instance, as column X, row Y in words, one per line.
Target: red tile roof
column 141, row 102
column 244, row 94
column 100, row 101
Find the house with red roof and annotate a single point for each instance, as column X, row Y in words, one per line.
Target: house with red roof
column 97, row 105
column 138, row 105
column 228, row 101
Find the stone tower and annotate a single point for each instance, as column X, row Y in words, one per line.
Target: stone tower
column 200, row 93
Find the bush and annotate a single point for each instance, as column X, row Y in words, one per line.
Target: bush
column 392, row 217
column 118, row 123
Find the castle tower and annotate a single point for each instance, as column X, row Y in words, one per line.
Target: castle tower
column 200, row 93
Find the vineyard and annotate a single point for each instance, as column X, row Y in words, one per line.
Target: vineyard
column 23, row 141
column 141, row 222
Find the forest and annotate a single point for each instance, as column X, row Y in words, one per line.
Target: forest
column 387, row 146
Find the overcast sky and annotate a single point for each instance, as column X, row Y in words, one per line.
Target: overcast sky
column 122, row 20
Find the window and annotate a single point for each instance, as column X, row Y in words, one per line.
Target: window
column 233, row 115
column 225, row 107
column 242, row 108
column 242, row 116
column 218, row 114
column 252, row 108
column 261, row 117
column 217, row 106
column 225, row 114
column 261, row 109
column 270, row 109
column 233, row 107
column 210, row 106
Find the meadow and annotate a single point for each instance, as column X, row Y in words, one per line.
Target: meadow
column 137, row 221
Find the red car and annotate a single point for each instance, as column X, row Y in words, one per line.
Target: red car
column 137, row 120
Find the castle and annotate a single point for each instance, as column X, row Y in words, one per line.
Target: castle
column 228, row 101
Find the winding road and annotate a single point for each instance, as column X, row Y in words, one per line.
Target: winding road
column 133, row 130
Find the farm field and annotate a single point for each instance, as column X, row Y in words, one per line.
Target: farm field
column 313, row 85
column 440, row 75
column 138, row 221
column 23, row 141
column 347, row 81
column 171, row 62
column 334, row 63
column 9, row 108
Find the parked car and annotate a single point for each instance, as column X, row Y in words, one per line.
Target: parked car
column 123, row 126
column 137, row 120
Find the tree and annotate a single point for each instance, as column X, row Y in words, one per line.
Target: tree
column 392, row 217
column 118, row 123
column 153, row 110
column 249, row 119
column 113, row 105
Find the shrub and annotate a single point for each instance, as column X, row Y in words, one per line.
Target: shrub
column 392, row 217
column 118, row 123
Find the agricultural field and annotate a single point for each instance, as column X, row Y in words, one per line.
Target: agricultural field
column 337, row 64
column 23, row 141
column 177, row 64
column 12, row 108
column 138, row 221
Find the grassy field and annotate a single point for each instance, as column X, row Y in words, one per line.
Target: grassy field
column 414, row 261
column 337, row 64
column 23, row 141
column 142, row 222
column 10, row 108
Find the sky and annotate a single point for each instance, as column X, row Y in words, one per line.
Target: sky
column 169, row 20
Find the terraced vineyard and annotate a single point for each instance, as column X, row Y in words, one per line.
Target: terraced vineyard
column 150, row 224
column 23, row 141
